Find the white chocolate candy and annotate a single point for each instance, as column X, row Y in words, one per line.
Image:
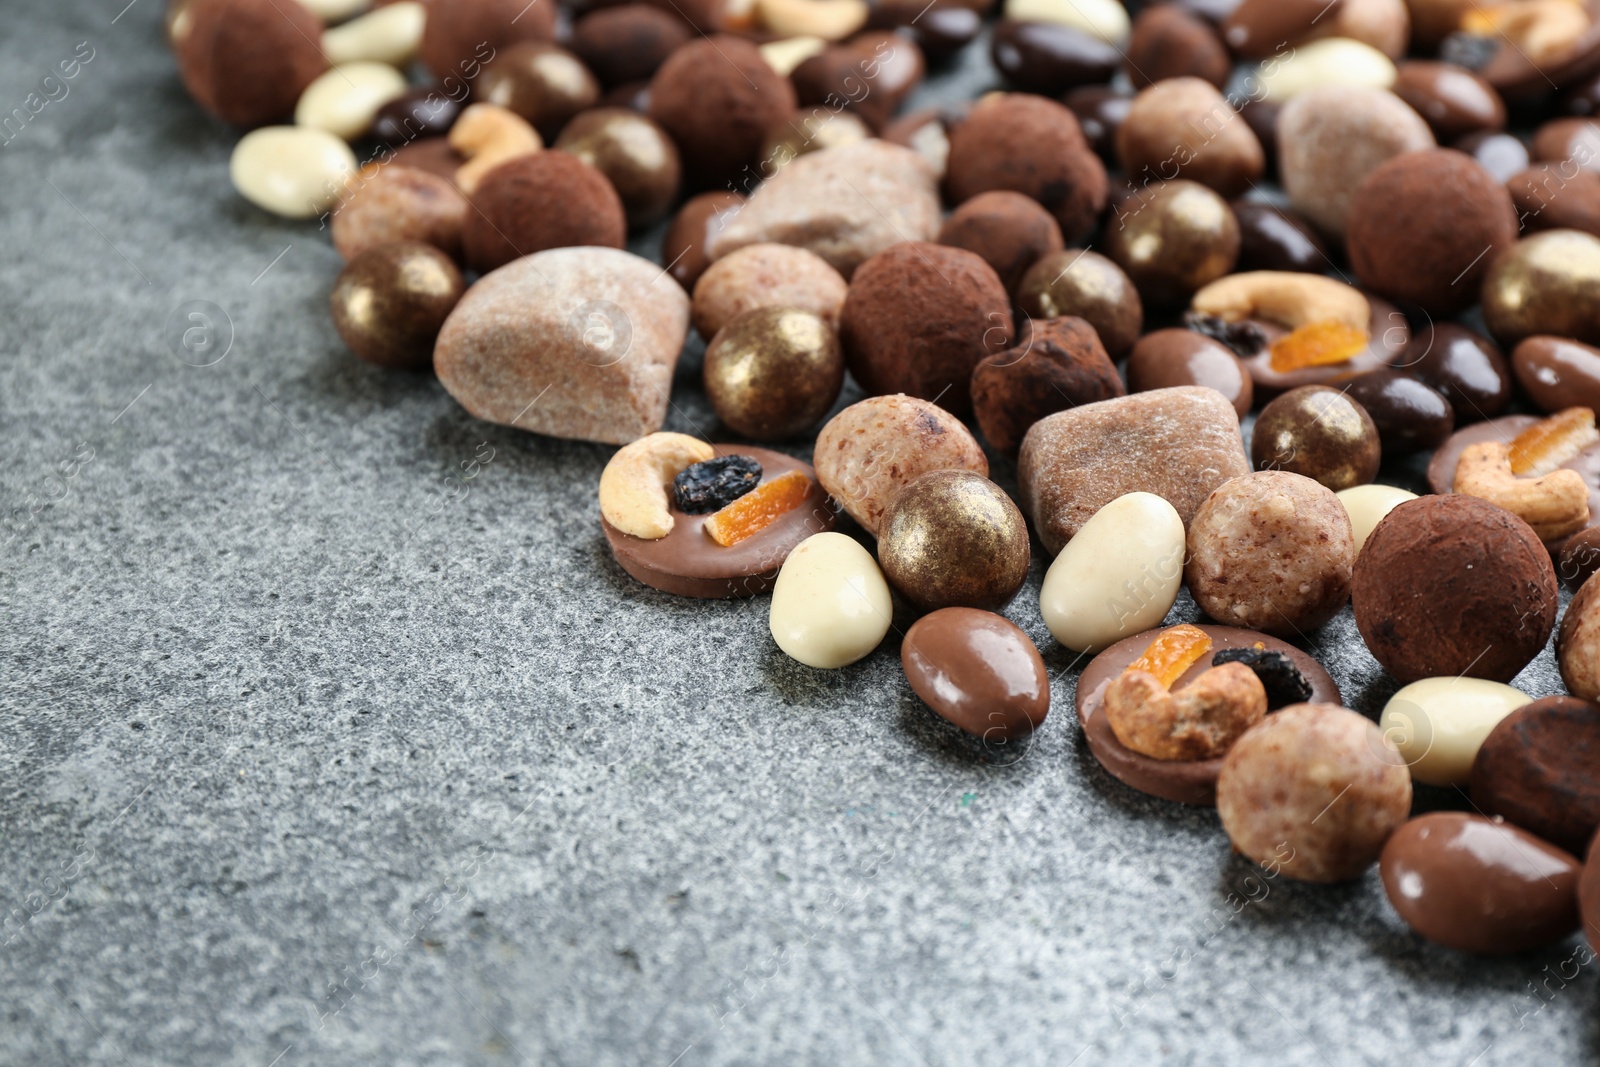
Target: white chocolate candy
column 1330, row 61
column 330, row 11
column 1438, row 724
column 392, row 34
column 1118, row 576
column 1105, row 19
column 345, row 100
column 291, row 171
column 830, row 605
column 788, row 53
column 1368, row 504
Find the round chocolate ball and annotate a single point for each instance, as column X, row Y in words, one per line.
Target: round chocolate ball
column 542, row 82
column 1465, row 367
column 919, row 317
column 1547, row 283
column 1166, row 359
column 1172, row 238
column 247, row 61
column 1090, row 286
column 627, row 43
column 544, row 200
column 1453, row 585
column 1424, row 227
column 390, row 301
column 1318, row 432
column 460, row 36
column 1410, row 416
column 773, row 372
column 717, row 97
column 953, row 538
column 1010, row 231
column 634, row 154
column 1032, row 146
column 683, row 248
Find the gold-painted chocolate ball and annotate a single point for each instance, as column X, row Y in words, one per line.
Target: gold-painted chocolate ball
column 1320, row 433
column 633, row 152
column 772, row 373
column 953, row 538
column 809, row 131
column 1172, row 238
column 1547, row 283
column 1090, row 286
column 390, row 301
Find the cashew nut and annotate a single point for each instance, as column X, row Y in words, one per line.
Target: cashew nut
column 1540, row 29
column 786, row 54
column 634, row 485
column 488, row 135
column 391, row 34
column 832, row 20
column 1555, row 505
column 1200, row 721
column 1288, row 298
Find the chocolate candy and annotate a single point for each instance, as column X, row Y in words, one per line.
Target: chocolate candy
column 1453, row 100
column 460, row 35
column 807, row 131
column 1119, row 574
column 390, row 301
column 687, row 562
column 1442, row 467
column 1547, row 283
column 978, row 671
column 830, row 606
column 683, row 247
column 1556, row 196
column 1101, row 111
column 400, row 204
column 1088, row 285
column 542, row 82
column 1580, row 556
column 1453, row 585
column 1386, row 326
column 1557, row 373
column 1271, row 238
column 1500, row 154
column 1439, row 724
column 1466, row 368
column 421, row 113
column 1167, row 358
column 773, row 372
column 718, row 98
column 1256, row 29
column 627, row 43
column 1589, row 898
column 1477, row 885
column 1059, row 364
column 1536, row 768
column 247, row 61
column 540, row 201
column 1578, row 643
column 1184, row 127
column 1368, row 504
column 1010, row 231
column 1172, row 238
column 1187, row 782
column 1319, row 432
column 1049, row 58
column 291, row 171
column 940, row 29
column 634, row 154
column 952, row 538
column 766, row 275
column 1169, row 42
column 1409, row 415
column 890, row 64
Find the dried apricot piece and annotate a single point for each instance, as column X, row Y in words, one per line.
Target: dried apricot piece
column 758, row 508
column 1317, row 344
column 1173, row 651
column 1549, row 443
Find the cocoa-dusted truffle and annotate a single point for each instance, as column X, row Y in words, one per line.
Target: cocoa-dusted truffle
column 627, row 43
column 462, row 35
column 1420, row 225
column 1033, row 146
column 539, row 201
column 1010, row 231
column 919, row 317
column 1169, row 42
column 1060, row 365
column 247, row 61
column 718, row 98
column 1453, row 585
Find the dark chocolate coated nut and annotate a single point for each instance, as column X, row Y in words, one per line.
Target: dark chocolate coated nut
column 1537, row 769
column 390, row 301
column 1467, row 368
column 1172, row 238
column 1101, row 111
column 1059, row 364
column 420, row 113
column 1556, row 196
column 1049, row 58
column 1589, row 898
column 940, row 28
column 1477, row 885
column 684, row 246
column 1410, row 416
column 1258, row 28
column 773, row 372
column 1318, row 432
column 1557, row 373
column 1010, row 231
column 1271, row 238
column 1453, row 100
column 871, row 74
column 1090, row 286
column 627, row 43
column 1547, row 283
column 1580, row 556
column 542, row 82
column 634, row 154
column 1169, row 42
column 460, row 36
column 717, row 97
column 953, row 538
column 1582, row 100
column 978, row 671
column 1500, row 154
column 1262, row 118
column 1168, row 358
column 635, row 96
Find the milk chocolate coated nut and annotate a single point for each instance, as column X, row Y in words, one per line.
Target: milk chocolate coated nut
column 1580, row 557
column 1536, row 768
column 1172, row 238
column 978, row 671
column 461, row 35
column 1556, row 196
column 1184, row 127
column 1473, row 884
column 1089, row 286
column 546, row 200
column 1313, row 792
column 1468, row 369
column 1578, row 645
column 872, row 450
column 1256, row 29
column 718, row 98
column 919, row 317
column 1318, row 432
column 1557, row 373
column 1424, row 226
column 634, row 154
column 248, row 61
column 1168, row 358
column 627, row 43
column 1010, row 231
column 1060, row 364
column 400, row 204
column 1453, row 100
column 766, row 276
column 1453, row 585
column 390, row 301
column 683, row 248
column 1589, row 898
column 773, row 372
column 1169, row 42
column 952, row 538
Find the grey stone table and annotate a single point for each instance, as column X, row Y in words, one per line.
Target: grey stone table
column 330, row 734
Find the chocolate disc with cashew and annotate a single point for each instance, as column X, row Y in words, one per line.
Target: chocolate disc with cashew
column 1187, row 782
column 1442, row 467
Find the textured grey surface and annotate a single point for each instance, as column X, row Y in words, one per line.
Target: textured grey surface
column 312, row 751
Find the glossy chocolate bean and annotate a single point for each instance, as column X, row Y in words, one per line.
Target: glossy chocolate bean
column 1172, row 238
column 1318, row 432
column 1168, row 358
column 1500, row 154
column 941, row 28
column 1473, row 884
column 1271, row 238
column 1262, row 118
column 1050, row 58
column 390, row 301
column 1536, row 769
column 1410, row 416
column 634, row 153
column 1557, row 373
column 1466, row 367
column 1257, row 29
column 542, row 82
column 1101, row 110
column 1453, row 100
column 422, row 112
column 978, row 671
column 684, row 246
column 1090, row 286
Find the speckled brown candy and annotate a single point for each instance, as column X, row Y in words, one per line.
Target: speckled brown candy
column 1059, row 364
column 1537, row 768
